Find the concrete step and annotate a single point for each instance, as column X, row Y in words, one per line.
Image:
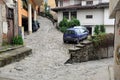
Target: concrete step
column 7, row 57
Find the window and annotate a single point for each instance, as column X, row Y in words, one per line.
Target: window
column 89, row 2
column 89, row 16
column 73, row 14
column 66, row 15
column 10, row 13
column 70, row 32
column 61, row 3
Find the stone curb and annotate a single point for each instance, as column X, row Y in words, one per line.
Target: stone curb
column 13, row 55
column 111, row 72
column 12, row 48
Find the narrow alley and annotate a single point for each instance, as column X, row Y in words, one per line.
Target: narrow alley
column 48, row 58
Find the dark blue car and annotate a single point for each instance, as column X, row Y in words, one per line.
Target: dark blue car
column 75, row 34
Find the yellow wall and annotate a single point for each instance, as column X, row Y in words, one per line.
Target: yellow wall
column 22, row 12
column 51, row 3
column 19, row 13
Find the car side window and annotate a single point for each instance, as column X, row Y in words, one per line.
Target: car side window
column 70, row 32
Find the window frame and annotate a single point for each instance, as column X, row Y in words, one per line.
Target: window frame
column 64, row 15
column 73, row 14
column 89, row 16
column 61, row 3
column 89, row 2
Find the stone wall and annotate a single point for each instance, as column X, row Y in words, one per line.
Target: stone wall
column 86, row 52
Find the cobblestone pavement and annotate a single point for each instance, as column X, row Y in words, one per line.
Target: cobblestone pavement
column 48, row 58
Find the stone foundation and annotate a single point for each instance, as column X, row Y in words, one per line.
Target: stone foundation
column 86, row 52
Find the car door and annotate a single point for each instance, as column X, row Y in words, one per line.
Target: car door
column 70, row 34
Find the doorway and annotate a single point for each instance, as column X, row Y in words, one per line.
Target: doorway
column 10, row 21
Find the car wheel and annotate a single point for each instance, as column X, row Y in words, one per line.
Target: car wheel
column 77, row 41
column 65, row 41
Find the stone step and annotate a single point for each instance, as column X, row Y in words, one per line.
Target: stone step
column 14, row 55
column 80, row 46
column 86, row 42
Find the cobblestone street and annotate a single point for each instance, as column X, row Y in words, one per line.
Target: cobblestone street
column 48, row 58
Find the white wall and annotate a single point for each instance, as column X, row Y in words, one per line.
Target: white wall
column 66, row 3
column 95, row 2
column 107, row 21
column 60, row 16
column 83, row 3
column 97, row 19
column 77, row 1
column 72, row 2
column 109, row 28
column 105, row 1
column 58, row 3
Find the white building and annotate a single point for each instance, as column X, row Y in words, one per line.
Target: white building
column 88, row 12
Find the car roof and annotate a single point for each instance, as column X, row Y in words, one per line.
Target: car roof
column 76, row 27
column 79, row 27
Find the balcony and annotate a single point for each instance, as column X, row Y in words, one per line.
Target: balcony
column 114, row 6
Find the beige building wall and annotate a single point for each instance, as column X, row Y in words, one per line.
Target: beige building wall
column 117, row 47
column 51, row 3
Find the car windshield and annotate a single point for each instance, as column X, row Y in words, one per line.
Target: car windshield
column 70, row 32
column 78, row 31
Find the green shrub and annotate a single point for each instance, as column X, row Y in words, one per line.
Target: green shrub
column 102, row 29
column 17, row 40
column 63, row 23
column 96, row 30
column 76, row 22
column 103, row 40
column 47, row 14
column 63, row 29
column 99, row 29
column 73, row 22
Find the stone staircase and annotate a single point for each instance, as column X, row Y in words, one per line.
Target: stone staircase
column 85, row 51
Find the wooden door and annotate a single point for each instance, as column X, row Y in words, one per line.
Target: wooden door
column 10, row 20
